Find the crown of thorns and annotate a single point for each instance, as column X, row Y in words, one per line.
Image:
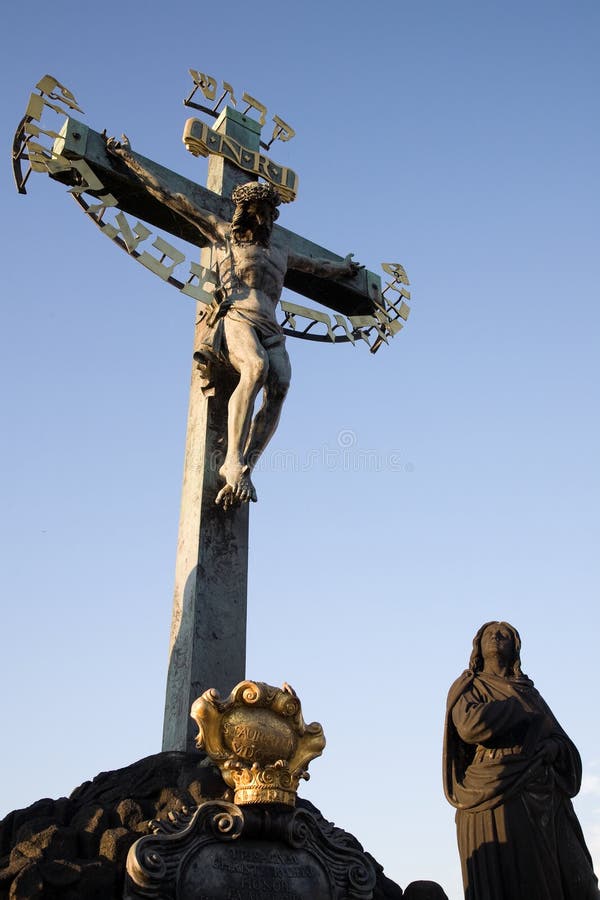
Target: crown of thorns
column 254, row 190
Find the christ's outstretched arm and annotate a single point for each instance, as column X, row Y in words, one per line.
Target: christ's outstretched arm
column 210, row 226
column 324, row 268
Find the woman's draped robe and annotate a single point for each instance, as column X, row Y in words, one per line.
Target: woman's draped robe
column 510, row 771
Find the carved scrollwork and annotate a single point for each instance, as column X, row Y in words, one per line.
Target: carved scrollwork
column 298, row 829
column 224, row 850
column 361, row 878
column 150, row 866
column 339, row 853
column 227, row 823
column 153, row 861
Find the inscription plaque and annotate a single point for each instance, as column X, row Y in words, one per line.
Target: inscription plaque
column 220, row 851
column 250, row 871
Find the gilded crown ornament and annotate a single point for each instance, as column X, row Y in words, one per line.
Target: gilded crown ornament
column 259, row 740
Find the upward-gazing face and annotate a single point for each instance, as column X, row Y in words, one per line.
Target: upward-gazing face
column 253, row 221
column 261, row 211
column 497, row 643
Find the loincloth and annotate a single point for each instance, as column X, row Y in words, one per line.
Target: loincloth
column 211, row 344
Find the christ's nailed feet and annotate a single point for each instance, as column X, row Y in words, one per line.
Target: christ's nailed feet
column 238, row 486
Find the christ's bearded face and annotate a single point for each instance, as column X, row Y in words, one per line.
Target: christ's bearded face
column 262, row 211
column 253, row 222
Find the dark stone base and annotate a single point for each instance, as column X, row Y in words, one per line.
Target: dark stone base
column 76, row 847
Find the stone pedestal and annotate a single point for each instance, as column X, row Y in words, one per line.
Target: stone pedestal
column 77, row 846
column 222, row 851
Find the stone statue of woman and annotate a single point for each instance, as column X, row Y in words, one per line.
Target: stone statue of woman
column 511, row 771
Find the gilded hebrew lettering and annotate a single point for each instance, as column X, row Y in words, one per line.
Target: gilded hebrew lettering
column 89, row 180
column 97, row 210
column 36, row 131
column 282, row 131
column 238, row 225
column 167, row 251
column 200, row 281
column 395, row 286
column 397, row 271
column 35, row 107
column 206, row 283
column 57, row 109
column 289, row 310
column 55, row 165
column 342, row 322
column 257, row 105
column 38, row 156
column 229, row 90
column 313, row 315
column 393, row 326
column 47, row 85
column 206, row 83
column 131, row 238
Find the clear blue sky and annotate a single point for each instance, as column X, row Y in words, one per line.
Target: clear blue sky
column 460, row 139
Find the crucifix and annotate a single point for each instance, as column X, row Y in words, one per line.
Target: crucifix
column 246, row 260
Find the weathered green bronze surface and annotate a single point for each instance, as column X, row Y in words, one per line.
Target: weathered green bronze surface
column 352, row 296
column 245, row 261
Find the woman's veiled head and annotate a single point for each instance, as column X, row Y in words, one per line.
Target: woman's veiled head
column 487, row 636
